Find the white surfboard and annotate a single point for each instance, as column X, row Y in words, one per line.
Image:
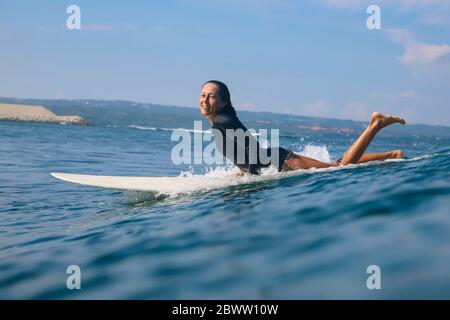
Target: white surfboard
column 193, row 183
column 148, row 184
column 167, row 185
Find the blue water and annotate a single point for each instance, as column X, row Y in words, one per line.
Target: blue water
column 307, row 236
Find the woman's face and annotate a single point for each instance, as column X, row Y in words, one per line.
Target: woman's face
column 210, row 102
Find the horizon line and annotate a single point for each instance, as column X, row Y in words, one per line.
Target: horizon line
column 238, row 110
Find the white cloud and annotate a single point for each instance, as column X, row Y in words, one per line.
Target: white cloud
column 417, row 52
column 424, row 53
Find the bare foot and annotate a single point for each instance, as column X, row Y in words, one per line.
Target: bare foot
column 397, row 154
column 382, row 120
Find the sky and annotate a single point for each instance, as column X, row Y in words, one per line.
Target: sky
column 310, row 57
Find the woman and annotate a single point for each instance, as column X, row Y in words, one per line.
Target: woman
column 215, row 104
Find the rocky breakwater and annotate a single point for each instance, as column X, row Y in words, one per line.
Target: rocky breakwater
column 24, row 113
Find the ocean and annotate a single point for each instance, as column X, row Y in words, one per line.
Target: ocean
column 314, row 235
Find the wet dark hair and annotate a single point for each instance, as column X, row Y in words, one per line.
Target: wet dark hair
column 224, row 94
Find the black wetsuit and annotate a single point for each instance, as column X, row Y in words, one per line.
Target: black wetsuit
column 227, row 119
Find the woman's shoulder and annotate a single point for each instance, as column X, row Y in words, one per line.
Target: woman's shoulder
column 225, row 119
column 222, row 118
column 228, row 120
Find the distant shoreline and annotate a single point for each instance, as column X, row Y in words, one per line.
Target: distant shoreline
column 126, row 113
column 27, row 113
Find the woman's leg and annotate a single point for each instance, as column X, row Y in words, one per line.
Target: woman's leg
column 356, row 152
column 378, row 122
column 296, row 161
column 367, row 157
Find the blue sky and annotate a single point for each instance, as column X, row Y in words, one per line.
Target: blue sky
column 311, row 57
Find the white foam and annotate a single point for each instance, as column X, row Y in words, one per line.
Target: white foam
column 225, row 176
column 316, row 152
column 190, row 130
column 142, row 127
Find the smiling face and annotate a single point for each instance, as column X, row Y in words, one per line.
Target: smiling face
column 210, row 101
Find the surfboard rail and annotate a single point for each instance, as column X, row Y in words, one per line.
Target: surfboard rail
column 131, row 183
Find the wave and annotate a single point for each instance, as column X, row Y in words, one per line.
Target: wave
column 142, row 127
column 310, row 151
column 320, row 153
column 220, row 177
column 224, row 176
column 187, row 130
column 175, row 129
column 423, row 157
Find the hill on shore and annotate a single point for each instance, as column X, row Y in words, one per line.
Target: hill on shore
column 127, row 113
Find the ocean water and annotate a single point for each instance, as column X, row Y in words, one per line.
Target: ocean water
column 311, row 235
